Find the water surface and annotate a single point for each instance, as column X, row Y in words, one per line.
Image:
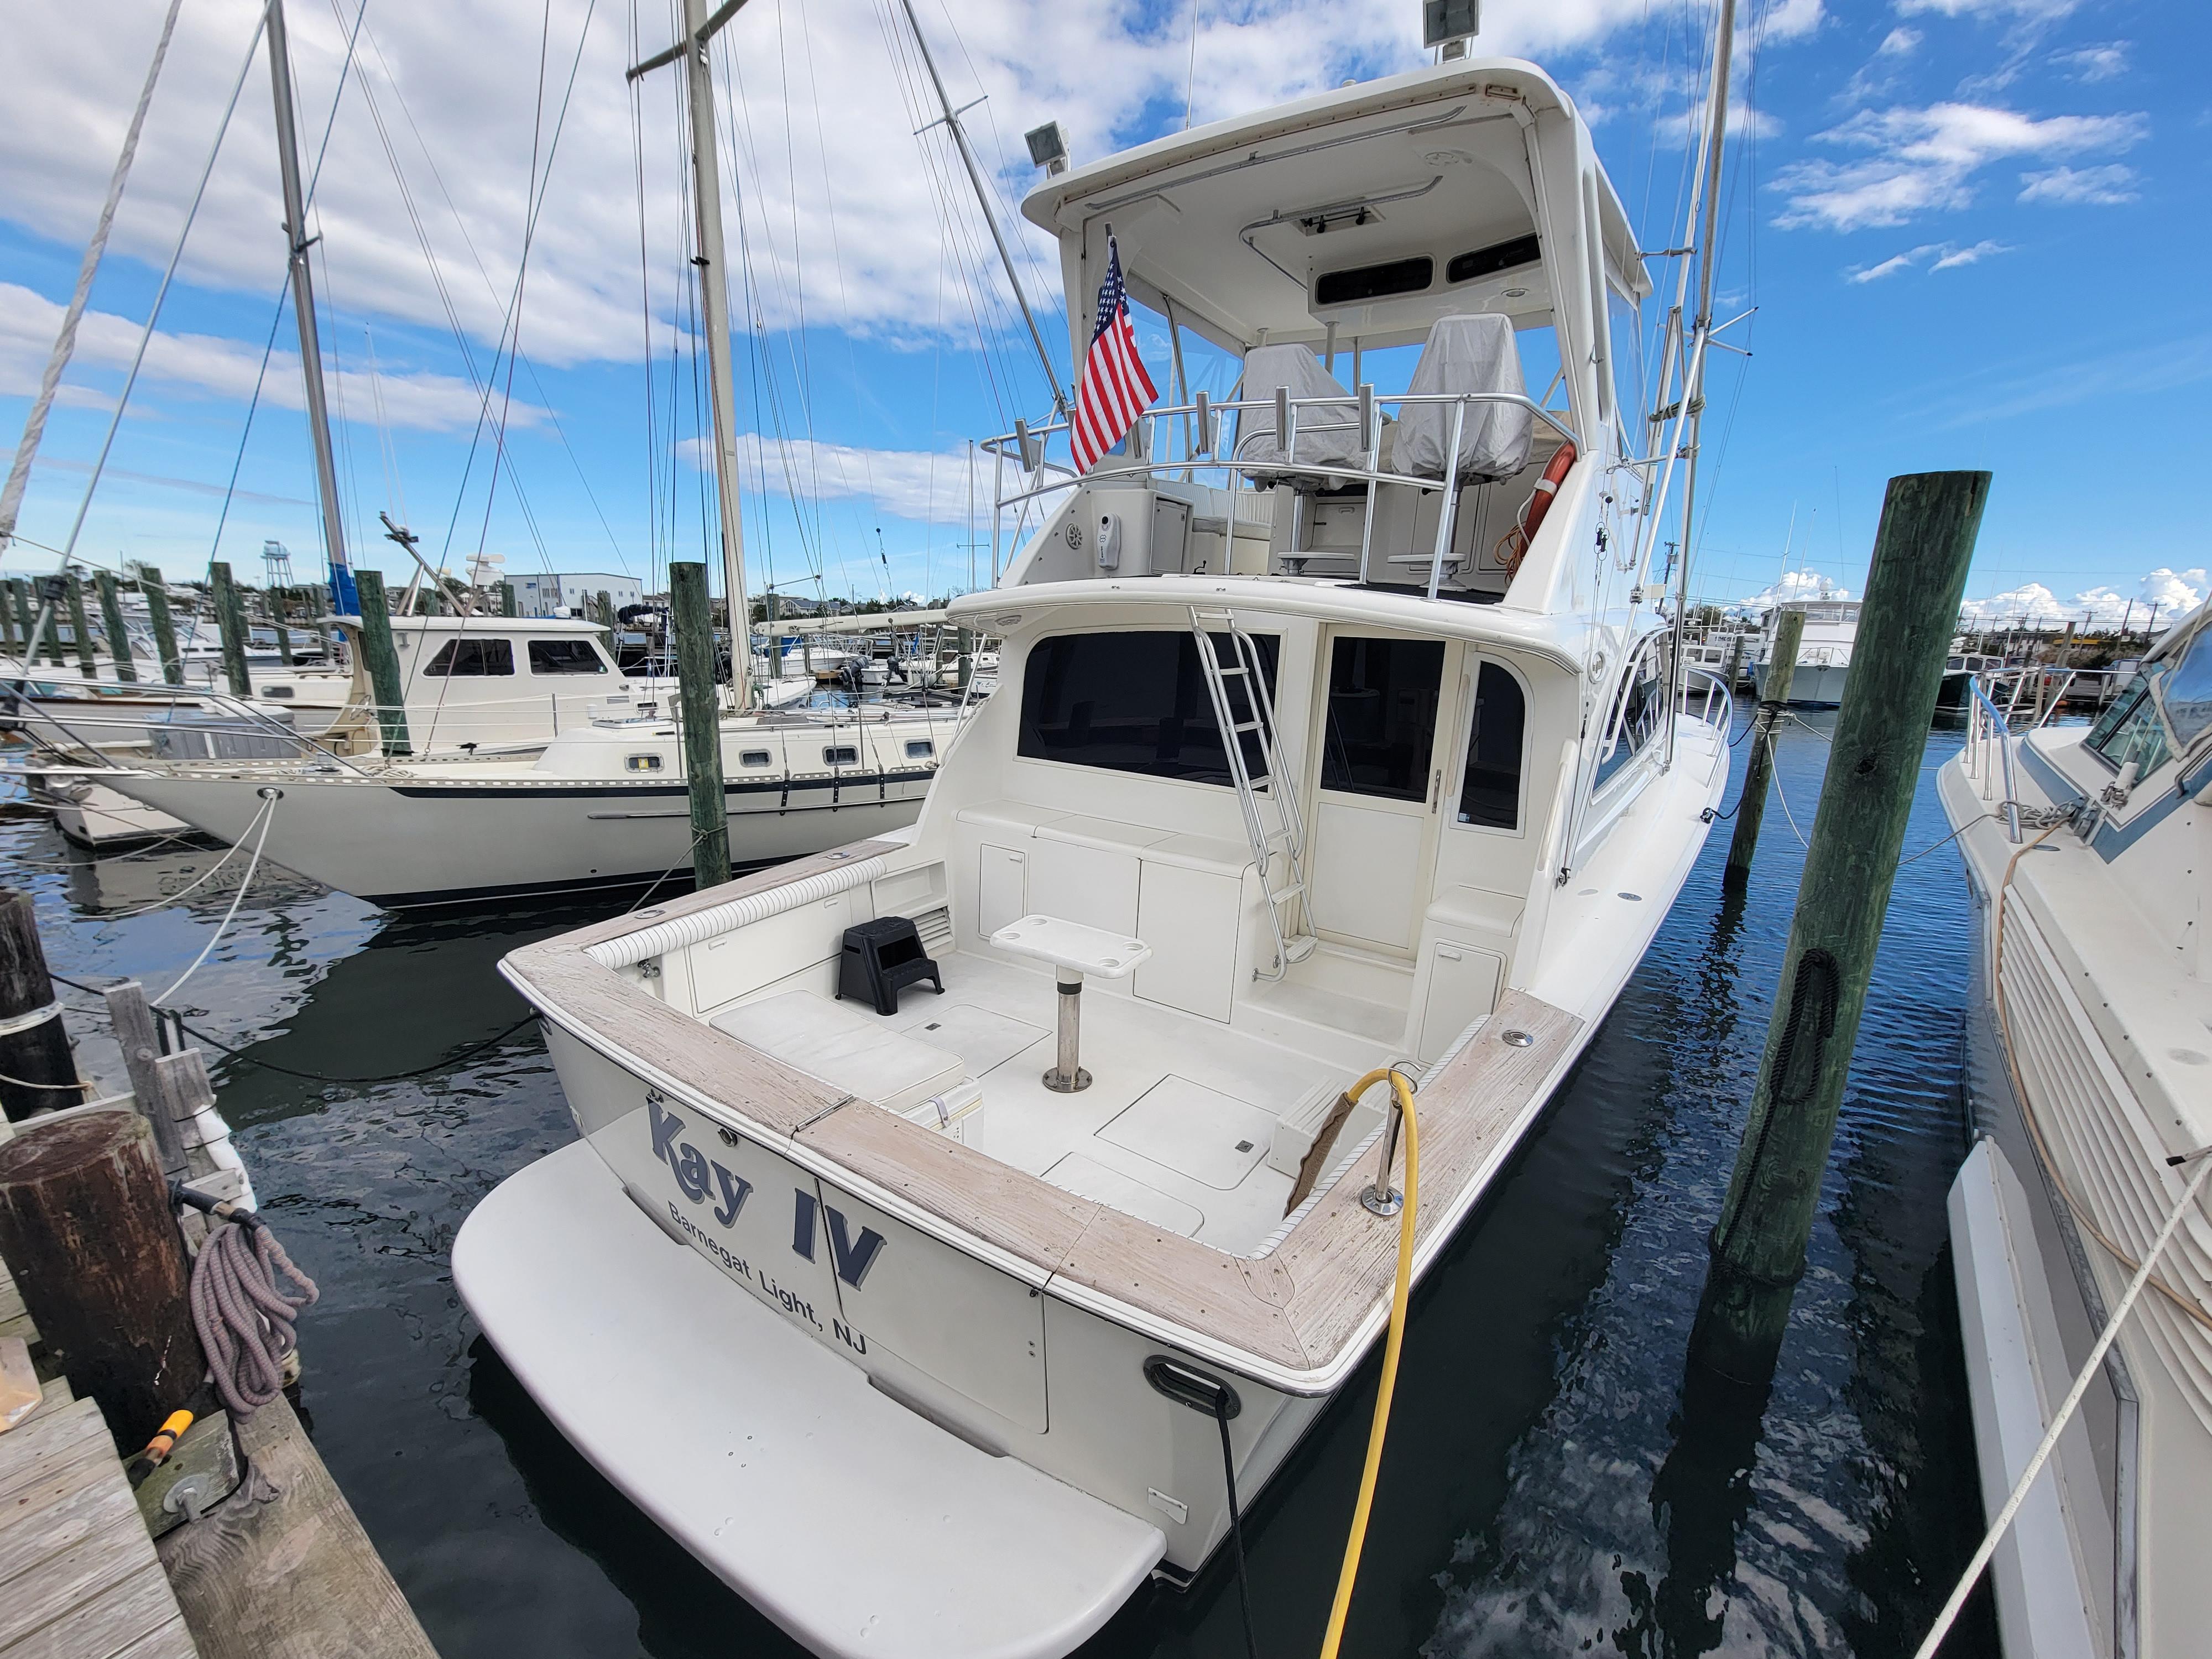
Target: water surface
column 1541, row 1492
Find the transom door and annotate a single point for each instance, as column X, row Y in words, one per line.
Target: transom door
column 1386, row 697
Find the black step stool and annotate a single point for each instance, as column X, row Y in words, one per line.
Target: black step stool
column 880, row 959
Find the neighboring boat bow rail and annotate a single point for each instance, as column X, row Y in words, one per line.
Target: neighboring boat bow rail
column 1298, row 1314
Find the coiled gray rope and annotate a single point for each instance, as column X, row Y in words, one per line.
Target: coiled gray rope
column 243, row 1316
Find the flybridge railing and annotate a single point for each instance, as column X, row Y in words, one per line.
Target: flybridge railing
column 1027, row 446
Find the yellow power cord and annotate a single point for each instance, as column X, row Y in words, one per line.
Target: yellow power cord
column 1350, row 1573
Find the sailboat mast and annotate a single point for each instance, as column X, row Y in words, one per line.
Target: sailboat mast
column 343, row 599
column 1693, row 374
column 715, row 305
column 983, row 199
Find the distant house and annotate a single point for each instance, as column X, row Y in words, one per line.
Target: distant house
column 547, row 595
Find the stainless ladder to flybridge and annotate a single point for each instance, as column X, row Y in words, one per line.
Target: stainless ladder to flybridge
column 1269, row 800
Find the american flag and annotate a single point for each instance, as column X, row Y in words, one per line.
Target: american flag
column 1114, row 389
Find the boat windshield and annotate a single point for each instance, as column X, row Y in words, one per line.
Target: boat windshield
column 2130, row 730
column 2186, row 692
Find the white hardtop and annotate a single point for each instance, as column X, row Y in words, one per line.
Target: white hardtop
column 1235, row 221
column 1561, row 636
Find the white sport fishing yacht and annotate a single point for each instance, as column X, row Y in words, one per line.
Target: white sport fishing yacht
column 1824, row 650
column 2090, row 1051
column 925, row 1324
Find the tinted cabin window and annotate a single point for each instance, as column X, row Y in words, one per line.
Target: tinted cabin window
column 754, row 757
column 1489, row 261
column 466, row 658
column 565, row 657
column 1383, row 697
column 924, row 749
column 1135, row 703
column 2130, row 729
column 1631, row 722
column 839, row 754
column 1490, row 790
column 1344, row 288
column 2187, row 692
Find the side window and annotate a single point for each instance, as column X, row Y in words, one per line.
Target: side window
column 921, row 750
column 840, row 755
column 1135, row 702
column 2130, row 729
column 472, row 658
column 565, row 657
column 1489, row 787
column 755, row 758
column 1383, row 697
column 1632, row 720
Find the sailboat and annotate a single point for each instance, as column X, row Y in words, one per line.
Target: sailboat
column 936, row 1322
column 594, row 804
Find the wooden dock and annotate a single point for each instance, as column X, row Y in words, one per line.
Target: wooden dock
column 79, row 1578
column 280, row 1570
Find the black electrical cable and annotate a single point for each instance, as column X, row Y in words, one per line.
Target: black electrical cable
column 322, row 1077
column 1235, row 1522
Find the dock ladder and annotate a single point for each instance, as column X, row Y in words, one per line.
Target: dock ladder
column 1269, row 800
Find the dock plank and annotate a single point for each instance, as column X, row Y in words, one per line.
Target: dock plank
column 78, row 1575
column 285, row 1570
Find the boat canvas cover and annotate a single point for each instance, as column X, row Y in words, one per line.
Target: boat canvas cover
column 1326, row 437
column 1466, row 355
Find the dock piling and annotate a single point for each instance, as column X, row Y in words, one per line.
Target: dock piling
column 81, row 628
column 87, row 1231
column 18, row 592
column 1759, row 765
column 53, row 595
column 381, row 658
column 694, row 624
column 164, row 628
column 1918, row 574
column 119, row 636
column 37, row 1071
column 230, row 624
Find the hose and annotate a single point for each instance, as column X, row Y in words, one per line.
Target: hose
column 1399, row 1292
column 244, row 1319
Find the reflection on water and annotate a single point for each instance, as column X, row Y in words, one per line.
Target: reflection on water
column 1550, row 1486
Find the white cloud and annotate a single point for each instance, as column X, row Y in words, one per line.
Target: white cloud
column 2102, row 186
column 211, row 364
column 835, row 208
column 1793, row 585
column 919, row 485
column 1792, row 19
column 2026, row 10
column 2173, row 593
column 1891, row 266
column 2105, row 60
column 1939, row 255
column 1923, row 160
column 1968, row 256
column 1899, row 43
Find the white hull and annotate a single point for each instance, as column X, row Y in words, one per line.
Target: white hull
column 1812, row 684
column 2102, row 1027
column 425, row 841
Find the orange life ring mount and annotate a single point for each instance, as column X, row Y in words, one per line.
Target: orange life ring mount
column 1534, row 508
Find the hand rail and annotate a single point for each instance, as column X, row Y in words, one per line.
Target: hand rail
column 1713, row 683
column 1986, row 724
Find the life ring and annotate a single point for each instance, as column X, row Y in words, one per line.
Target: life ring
column 1534, row 508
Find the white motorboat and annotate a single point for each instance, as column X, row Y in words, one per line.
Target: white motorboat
column 929, row 1329
column 1824, row 650
column 2090, row 1051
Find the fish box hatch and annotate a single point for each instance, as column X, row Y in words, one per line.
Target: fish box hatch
column 856, row 1525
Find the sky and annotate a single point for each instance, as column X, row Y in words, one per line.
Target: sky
column 1968, row 233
